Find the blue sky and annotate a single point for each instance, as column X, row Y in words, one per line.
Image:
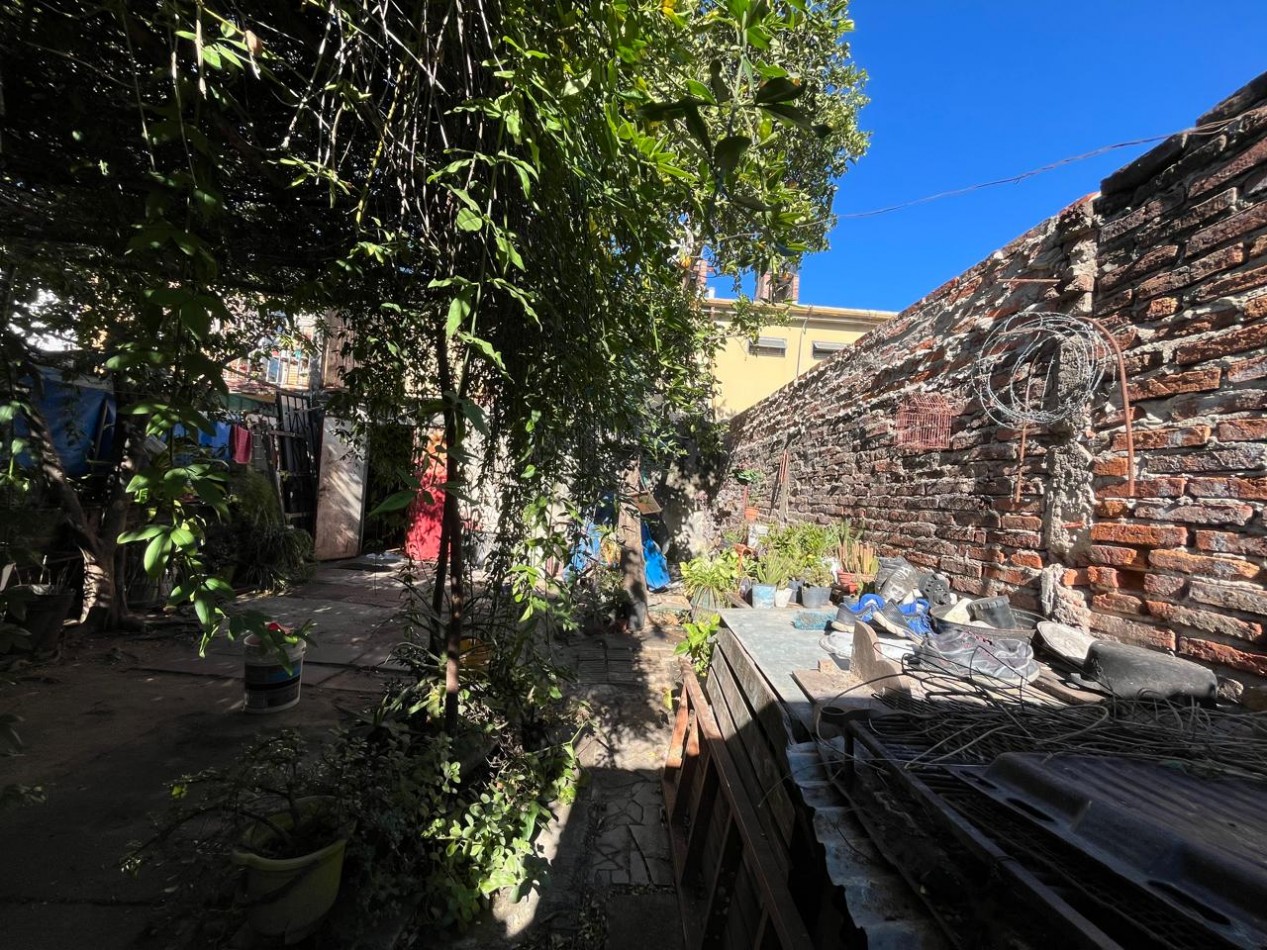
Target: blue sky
column 964, row 91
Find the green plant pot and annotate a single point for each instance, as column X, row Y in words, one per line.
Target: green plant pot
column 287, row 898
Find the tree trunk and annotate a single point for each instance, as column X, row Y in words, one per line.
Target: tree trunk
column 452, row 528
column 632, row 564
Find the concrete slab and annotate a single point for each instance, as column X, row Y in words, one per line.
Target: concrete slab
column 102, row 926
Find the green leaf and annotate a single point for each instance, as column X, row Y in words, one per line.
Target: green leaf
column 728, row 152
column 695, row 124
column 141, row 534
column 157, row 554
column 700, row 91
column 395, row 502
column 797, row 117
column 468, row 220
column 721, row 92
column 459, row 310
column 778, row 90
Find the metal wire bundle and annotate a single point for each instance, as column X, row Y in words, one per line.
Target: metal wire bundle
column 1038, row 368
column 1212, row 742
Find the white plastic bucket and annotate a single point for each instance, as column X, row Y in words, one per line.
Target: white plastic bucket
column 269, row 686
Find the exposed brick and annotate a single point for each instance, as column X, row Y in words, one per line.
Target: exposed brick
column 1130, row 631
column 1152, row 535
column 1075, row 577
column 1223, row 655
column 1212, row 513
column 1164, row 585
column 1146, row 488
column 1223, row 344
column 1240, row 164
column 1167, row 228
column 1103, row 577
column 1022, row 522
column 1146, row 263
column 1192, row 272
column 1243, row 370
column 1126, row 558
column 1243, row 430
column 1114, row 229
column 1258, row 247
column 1249, row 598
column 1229, row 486
column 1187, row 563
column 1110, row 466
column 1007, row 575
column 1028, row 559
column 1160, row 307
column 1193, row 381
column 1117, row 603
column 1233, row 283
column 1208, row 621
column 1215, row 316
column 1238, row 225
column 1223, row 403
column 1164, row 438
column 1227, row 542
column 1112, row 507
column 1229, row 458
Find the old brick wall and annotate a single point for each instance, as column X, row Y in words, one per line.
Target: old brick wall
column 1172, row 255
column 1183, row 271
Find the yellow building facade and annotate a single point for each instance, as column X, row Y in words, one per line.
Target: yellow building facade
column 748, row 370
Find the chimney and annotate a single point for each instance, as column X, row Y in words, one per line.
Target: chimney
column 784, row 287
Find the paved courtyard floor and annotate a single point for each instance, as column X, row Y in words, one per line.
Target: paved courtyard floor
column 115, row 718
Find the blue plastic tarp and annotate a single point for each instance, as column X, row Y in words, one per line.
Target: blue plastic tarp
column 587, row 550
column 80, row 420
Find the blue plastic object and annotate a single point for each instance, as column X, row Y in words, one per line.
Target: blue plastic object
column 763, row 596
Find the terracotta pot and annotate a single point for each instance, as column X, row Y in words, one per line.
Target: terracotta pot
column 751, row 514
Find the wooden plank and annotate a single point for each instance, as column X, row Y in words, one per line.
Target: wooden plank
column 761, row 695
column 760, row 771
column 775, row 897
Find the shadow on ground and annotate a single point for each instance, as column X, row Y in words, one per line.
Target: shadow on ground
column 115, row 719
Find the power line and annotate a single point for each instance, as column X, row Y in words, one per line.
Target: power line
column 1209, row 129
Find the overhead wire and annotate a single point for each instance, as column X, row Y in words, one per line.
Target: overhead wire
column 1209, row 128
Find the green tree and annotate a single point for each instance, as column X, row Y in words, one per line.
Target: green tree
column 498, row 198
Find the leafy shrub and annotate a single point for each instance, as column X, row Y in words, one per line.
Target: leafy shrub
column 701, row 637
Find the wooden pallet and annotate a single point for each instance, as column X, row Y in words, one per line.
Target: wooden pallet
column 731, row 879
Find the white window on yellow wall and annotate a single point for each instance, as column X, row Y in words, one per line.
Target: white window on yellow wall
column 823, row 350
column 768, row 346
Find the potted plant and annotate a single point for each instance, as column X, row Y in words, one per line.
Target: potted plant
column 40, row 609
column 771, row 572
column 858, row 561
column 816, row 591
column 270, row 822
column 749, row 478
column 272, row 661
column 711, row 580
